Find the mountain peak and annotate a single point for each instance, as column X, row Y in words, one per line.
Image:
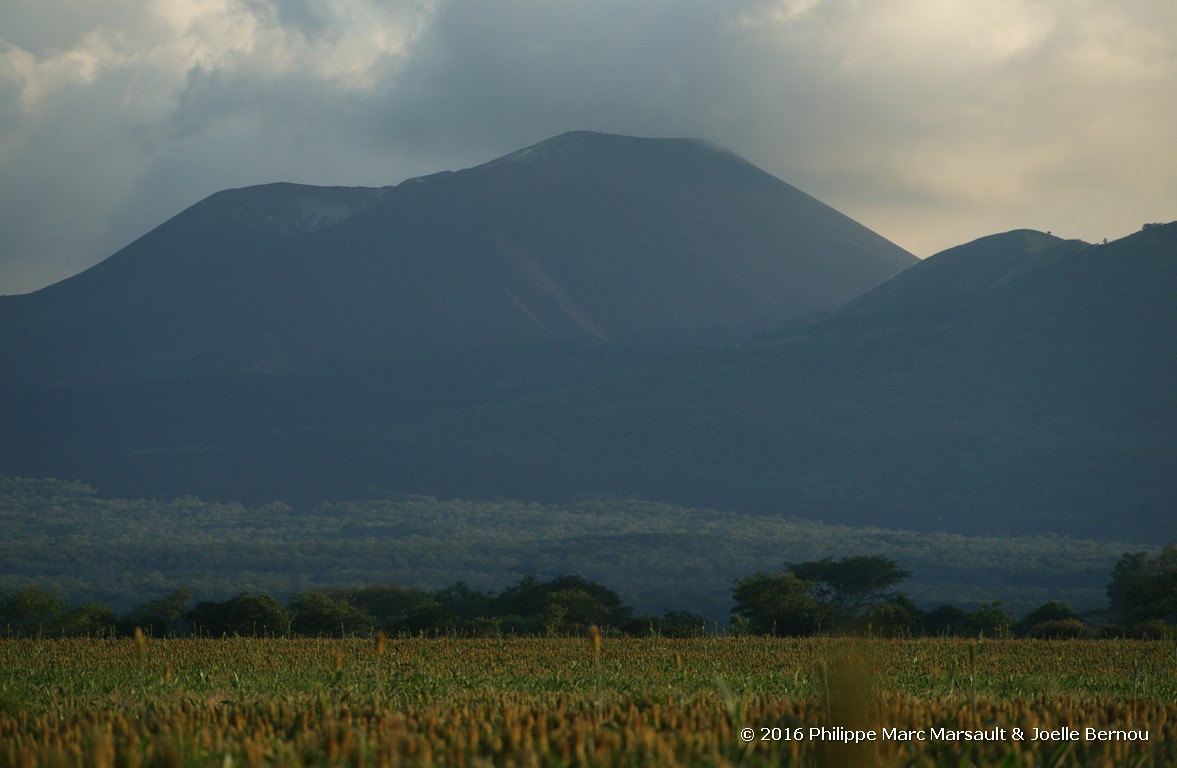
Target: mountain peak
column 582, row 239
column 594, row 146
column 978, row 265
column 1020, row 241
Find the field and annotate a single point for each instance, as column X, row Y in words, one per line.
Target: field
column 569, row 701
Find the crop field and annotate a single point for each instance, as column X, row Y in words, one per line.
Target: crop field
column 573, row 701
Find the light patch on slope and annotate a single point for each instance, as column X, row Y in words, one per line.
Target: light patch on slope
column 547, row 287
column 312, row 213
column 302, row 213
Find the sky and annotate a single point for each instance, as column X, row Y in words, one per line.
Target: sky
column 933, row 122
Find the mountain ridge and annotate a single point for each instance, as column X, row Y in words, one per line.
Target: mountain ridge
column 1037, row 400
column 978, row 264
column 595, row 239
column 608, row 315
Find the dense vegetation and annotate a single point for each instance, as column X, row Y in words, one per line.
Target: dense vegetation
column 854, row 595
column 523, row 702
column 67, row 538
column 563, row 605
column 850, row 596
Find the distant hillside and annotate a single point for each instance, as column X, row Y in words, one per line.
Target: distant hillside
column 598, row 314
column 125, row 551
column 1020, row 383
column 580, row 241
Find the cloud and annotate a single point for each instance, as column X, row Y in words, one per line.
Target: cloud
column 135, row 116
column 931, row 121
column 942, row 121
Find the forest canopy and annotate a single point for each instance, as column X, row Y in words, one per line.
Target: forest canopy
column 851, row 596
column 68, row 538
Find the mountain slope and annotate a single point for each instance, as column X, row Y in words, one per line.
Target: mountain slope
column 1020, row 383
column 582, row 240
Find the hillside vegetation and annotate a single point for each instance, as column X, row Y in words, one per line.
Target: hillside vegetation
column 66, row 537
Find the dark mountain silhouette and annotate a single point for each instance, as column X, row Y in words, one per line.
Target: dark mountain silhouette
column 1017, row 383
column 600, row 314
column 580, row 241
column 284, row 341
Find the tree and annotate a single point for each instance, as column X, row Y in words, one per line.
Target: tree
column 852, row 584
column 424, row 616
column 37, row 611
column 464, row 604
column 91, row 618
column 897, row 616
column 390, row 605
column 945, row 620
column 777, row 604
column 573, row 610
column 32, row 611
column 1057, row 629
column 244, row 614
column 991, row 620
column 165, row 616
column 681, row 624
column 1144, row 588
column 319, row 614
column 564, row 602
column 1050, row 619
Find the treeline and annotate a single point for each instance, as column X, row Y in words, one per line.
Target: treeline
column 852, row 595
column 563, row 605
column 67, row 536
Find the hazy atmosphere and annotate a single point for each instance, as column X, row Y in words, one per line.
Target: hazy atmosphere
column 931, row 122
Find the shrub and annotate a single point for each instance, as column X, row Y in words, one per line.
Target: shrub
column 1057, row 629
column 1152, row 629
